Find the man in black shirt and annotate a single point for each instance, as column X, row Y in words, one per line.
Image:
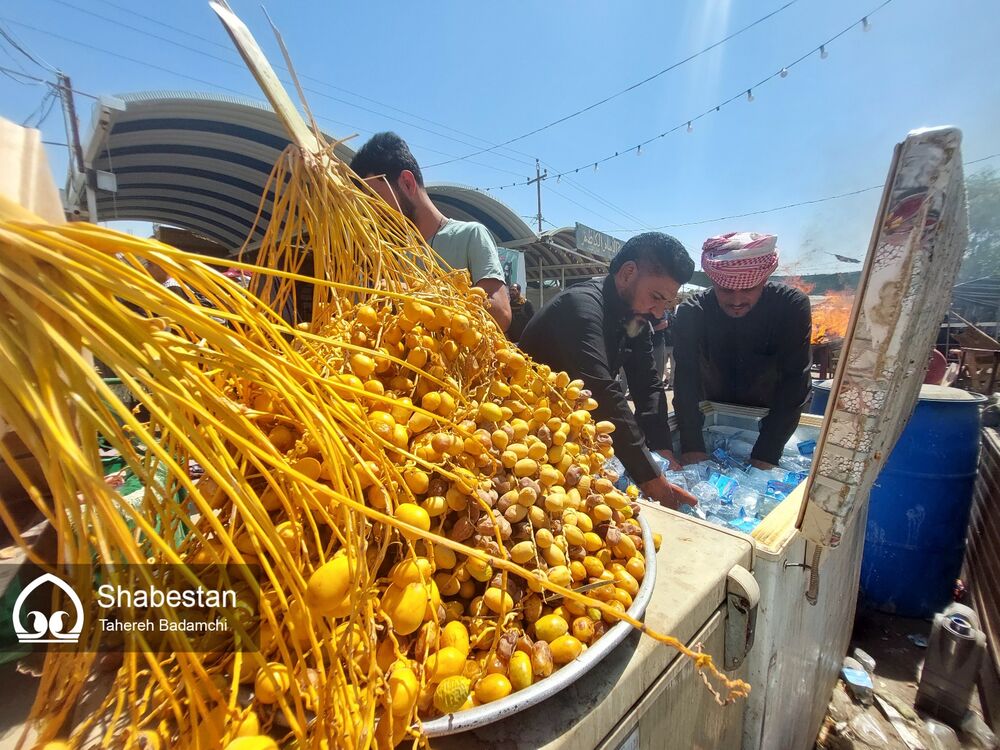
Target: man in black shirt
column 593, row 329
column 746, row 341
column 521, row 312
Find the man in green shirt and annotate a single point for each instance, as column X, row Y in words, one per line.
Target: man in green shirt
column 385, row 163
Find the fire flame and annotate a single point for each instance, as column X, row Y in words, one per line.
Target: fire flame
column 830, row 315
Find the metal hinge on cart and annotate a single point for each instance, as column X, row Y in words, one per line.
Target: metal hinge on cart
column 742, row 597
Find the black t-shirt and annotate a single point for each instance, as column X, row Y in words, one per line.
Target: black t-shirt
column 520, row 315
column 762, row 359
column 582, row 331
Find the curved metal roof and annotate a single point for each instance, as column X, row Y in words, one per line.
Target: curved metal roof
column 468, row 204
column 555, row 251
column 201, row 162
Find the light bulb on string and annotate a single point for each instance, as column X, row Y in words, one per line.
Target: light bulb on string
column 595, row 166
column 749, row 95
column 690, row 127
column 865, row 24
column 783, row 73
column 638, row 150
column 823, row 54
column 558, row 179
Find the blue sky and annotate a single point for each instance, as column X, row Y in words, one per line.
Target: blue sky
column 455, row 77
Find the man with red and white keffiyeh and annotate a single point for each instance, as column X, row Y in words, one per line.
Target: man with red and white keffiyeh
column 745, row 341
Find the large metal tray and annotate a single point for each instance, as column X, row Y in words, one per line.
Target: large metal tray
column 568, row 674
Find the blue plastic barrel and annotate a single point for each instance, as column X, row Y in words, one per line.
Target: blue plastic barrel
column 919, row 510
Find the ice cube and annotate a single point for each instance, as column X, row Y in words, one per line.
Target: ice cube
column 746, row 499
column 705, row 491
column 757, row 479
column 767, row 504
column 678, row 478
column 708, row 496
column 694, row 474
column 740, row 449
column 728, row 511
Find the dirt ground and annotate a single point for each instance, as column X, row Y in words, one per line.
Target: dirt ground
column 851, row 726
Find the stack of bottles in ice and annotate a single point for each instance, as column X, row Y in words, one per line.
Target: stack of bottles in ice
column 730, row 491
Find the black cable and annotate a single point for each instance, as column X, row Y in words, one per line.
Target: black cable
column 242, row 66
column 40, row 113
column 195, row 79
column 189, row 33
column 625, row 90
column 12, row 75
column 21, row 48
column 781, row 73
column 788, row 205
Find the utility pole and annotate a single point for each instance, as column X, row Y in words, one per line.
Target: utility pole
column 66, row 92
column 69, row 107
column 539, row 176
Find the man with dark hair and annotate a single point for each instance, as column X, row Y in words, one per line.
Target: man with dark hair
column 386, row 164
column 745, row 341
column 521, row 312
column 593, row 329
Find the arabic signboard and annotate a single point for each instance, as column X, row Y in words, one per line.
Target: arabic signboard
column 592, row 241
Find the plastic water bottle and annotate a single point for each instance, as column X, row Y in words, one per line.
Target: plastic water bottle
column 678, row 478
column 757, row 479
column 795, row 463
column 746, row 499
column 693, row 475
column 708, row 497
column 725, row 485
column 740, row 449
column 727, row 510
column 661, row 462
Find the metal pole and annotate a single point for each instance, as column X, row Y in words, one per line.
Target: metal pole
column 539, row 176
column 562, row 282
column 66, row 94
column 541, row 281
column 538, row 186
column 66, row 91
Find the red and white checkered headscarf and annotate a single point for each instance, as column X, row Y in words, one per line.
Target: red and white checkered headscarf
column 739, row 260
